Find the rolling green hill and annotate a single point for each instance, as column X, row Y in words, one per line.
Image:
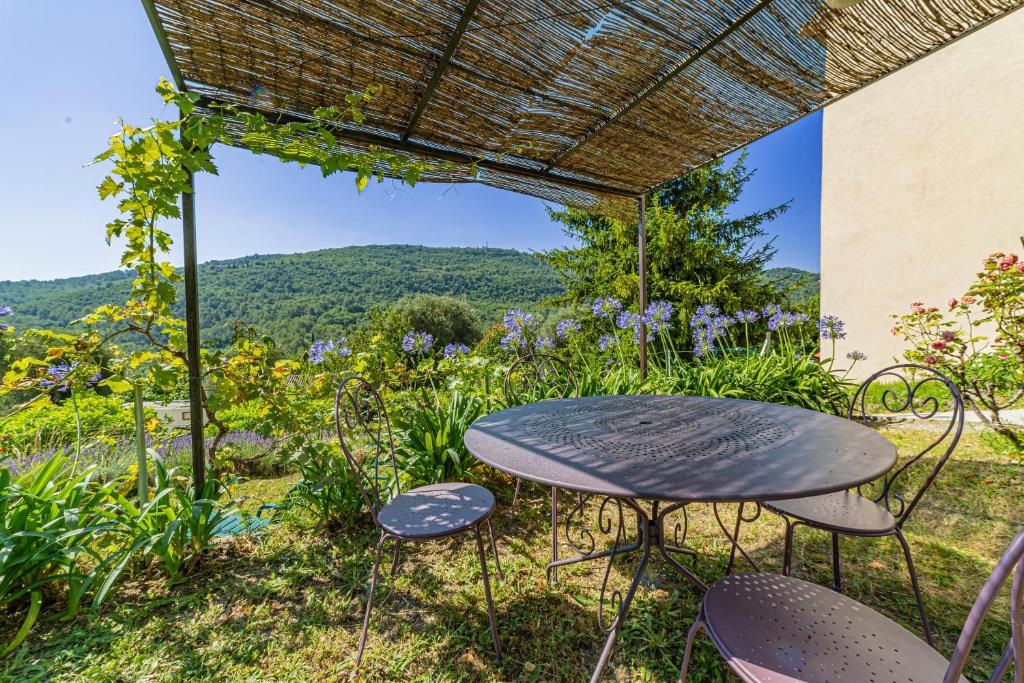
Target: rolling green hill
column 294, row 296
column 324, row 293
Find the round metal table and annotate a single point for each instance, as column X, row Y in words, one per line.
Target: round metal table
column 671, row 451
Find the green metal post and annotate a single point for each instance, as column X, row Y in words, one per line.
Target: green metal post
column 195, row 387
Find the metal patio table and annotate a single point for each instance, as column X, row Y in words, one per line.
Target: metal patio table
column 653, row 455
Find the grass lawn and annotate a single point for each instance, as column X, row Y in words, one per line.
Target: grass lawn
column 288, row 605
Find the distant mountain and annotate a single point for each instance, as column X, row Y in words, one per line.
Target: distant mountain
column 804, row 284
column 292, row 297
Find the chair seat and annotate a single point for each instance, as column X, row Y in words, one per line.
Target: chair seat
column 843, row 511
column 436, row 510
column 780, row 629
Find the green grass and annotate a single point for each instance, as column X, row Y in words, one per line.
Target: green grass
column 287, row 606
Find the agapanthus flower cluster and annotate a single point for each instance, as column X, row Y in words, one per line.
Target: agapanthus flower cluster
column 606, row 342
column 544, row 343
column 55, row 377
column 319, row 349
column 657, row 317
column 627, row 320
column 4, row 312
column 708, row 324
column 831, row 327
column 856, row 355
column 746, row 316
column 517, row 321
column 417, row 342
column 518, row 324
column 606, row 307
column 567, row 327
column 453, row 349
column 780, row 319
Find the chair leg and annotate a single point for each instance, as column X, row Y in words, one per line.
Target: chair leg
column 494, row 549
column 396, row 557
column 487, row 592
column 917, row 589
column 735, row 540
column 698, row 624
column 369, row 600
column 837, row 578
column 554, row 533
column 515, row 496
column 787, row 553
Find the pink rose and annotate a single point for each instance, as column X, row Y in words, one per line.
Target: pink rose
column 931, row 360
column 1005, row 264
column 968, row 299
column 953, row 303
column 1020, row 267
column 948, row 336
column 938, row 345
column 919, row 310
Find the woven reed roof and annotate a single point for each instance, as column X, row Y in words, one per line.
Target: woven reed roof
column 581, row 102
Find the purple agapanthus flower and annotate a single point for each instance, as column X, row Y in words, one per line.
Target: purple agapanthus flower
column 513, row 340
column 770, row 310
column 567, row 327
column 782, row 319
column 55, row 375
column 516, row 320
column 658, row 310
column 544, row 343
column 831, row 327
column 606, row 342
column 4, row 312
column 453, row 349
column 606, row 307
column 856, row 355
column 747, row 316
column 319, row 349
column 417, row 342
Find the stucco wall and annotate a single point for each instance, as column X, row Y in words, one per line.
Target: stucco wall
column 922, row 177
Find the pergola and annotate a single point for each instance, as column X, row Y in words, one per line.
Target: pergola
column 587, row 103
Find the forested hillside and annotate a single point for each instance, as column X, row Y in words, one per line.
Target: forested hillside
column 323, row 293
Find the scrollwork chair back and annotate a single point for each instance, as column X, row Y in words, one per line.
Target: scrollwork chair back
column 928, row 395
column 359, row 412
column 539, row 376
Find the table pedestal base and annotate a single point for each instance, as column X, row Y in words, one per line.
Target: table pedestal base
column 650, row 535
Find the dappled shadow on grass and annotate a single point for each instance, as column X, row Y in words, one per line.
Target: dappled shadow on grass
column 289, row 605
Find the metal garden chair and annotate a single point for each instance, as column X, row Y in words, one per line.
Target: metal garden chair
column 777, row 628
column 883, row 514
column 537, row 377
column 421, row 514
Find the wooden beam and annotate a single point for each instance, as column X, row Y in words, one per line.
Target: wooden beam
column 365, row 137
column 442, row 64
column 165, row 45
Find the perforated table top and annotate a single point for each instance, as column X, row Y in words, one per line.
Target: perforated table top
column 680, row 448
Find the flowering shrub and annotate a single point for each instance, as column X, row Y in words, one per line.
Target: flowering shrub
column 977, row 340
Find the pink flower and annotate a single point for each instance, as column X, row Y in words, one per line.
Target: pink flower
column 938, row 345
column 919, row 310
column 1005, row 264
column 953, row 303
column 1020, row 267
column 968, row 299
column 948, row 336
column 896, row 330
column 931, row 360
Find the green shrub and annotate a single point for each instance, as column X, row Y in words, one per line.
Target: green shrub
column 52, row 519
column 45, row 424
column 328, row 488
column 448, row 319
column 429, row 438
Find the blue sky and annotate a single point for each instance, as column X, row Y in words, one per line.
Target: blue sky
column 72, row 68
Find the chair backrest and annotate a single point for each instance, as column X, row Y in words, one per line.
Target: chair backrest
column 1013, row 557
column 359, row 412
column 539, row 376
column 928, row 395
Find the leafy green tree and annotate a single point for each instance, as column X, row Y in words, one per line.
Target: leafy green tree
column 697, row 252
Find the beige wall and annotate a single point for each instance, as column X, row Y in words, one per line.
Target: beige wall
column 922, row 177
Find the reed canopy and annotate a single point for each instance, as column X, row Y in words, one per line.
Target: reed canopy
column 586, row 103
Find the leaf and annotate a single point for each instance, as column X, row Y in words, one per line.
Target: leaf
column 361, row 181
column 117, row 384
